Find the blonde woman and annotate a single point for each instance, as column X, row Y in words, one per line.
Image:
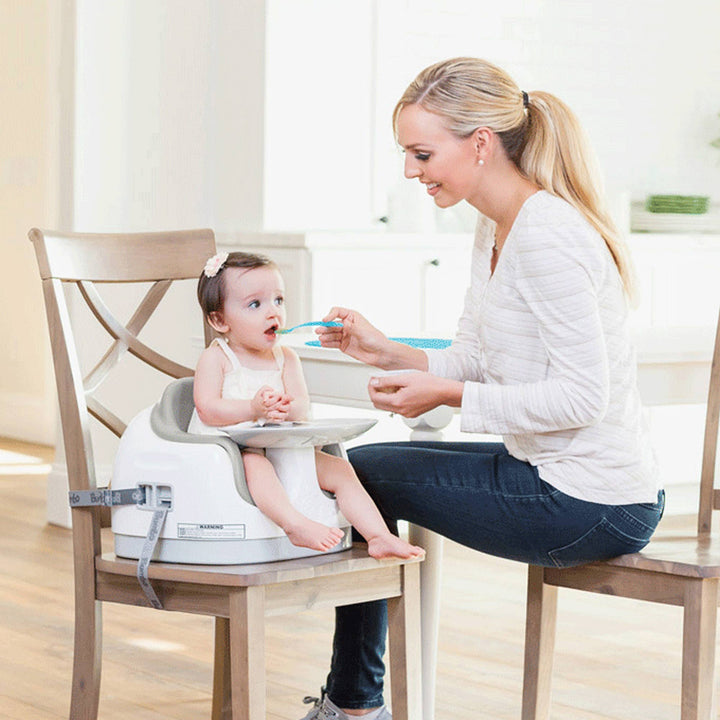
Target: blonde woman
column 542, row 357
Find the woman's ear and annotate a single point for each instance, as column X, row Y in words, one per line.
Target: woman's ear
column 216, row 322
column 482, row 139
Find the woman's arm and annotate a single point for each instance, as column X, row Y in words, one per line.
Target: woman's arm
column 412, row 394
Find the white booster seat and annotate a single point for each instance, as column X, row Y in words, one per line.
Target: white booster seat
column 196, row 485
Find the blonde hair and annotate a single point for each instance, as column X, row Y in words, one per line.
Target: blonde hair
column 539, row 133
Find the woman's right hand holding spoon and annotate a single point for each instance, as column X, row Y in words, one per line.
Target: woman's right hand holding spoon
column 356, row 337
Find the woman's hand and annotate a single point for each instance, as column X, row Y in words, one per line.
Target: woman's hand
column 413, row 393
column 356, row 338
column 269, row 404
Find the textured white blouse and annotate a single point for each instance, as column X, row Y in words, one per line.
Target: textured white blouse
column 544, row 349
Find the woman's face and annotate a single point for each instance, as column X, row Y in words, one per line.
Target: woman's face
column 444, row 163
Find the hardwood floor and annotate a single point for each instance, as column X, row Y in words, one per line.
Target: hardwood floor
column 615, row 659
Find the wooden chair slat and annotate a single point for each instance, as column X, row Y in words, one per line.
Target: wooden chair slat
column 108, row 418
column 136, row 323
column 707, row 478
column 118, row 331
column 132, row 257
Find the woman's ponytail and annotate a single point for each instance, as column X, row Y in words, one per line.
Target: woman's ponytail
column 557, row 157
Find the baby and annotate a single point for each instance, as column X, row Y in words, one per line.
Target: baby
column 245, row 375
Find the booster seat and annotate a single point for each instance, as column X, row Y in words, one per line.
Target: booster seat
column 199, row 480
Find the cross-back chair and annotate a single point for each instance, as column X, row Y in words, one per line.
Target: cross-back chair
column 676, row 570
column 238, row 596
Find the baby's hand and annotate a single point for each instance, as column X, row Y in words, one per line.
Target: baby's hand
column 270, row 404
column 260, row 403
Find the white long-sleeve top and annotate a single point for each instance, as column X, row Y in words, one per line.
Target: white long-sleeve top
column 544, row 349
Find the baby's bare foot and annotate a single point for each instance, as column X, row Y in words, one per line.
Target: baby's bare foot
column 310, row 534
column 382, row 546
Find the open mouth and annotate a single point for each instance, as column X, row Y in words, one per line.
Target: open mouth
column 272, row 330
column 432, row 188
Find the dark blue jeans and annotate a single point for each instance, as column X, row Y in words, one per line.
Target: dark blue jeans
column 478, row 495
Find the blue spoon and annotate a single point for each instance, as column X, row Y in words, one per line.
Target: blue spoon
column 322, row 323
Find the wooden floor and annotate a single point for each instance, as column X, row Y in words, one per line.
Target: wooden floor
column 615, row 658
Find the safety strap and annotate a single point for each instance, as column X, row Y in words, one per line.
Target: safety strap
column 129, row 496
column 148, row 548
column 106, row 498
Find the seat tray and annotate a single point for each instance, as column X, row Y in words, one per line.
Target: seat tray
column 305, row 433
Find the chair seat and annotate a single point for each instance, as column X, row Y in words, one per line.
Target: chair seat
column 675, row 554
column 341, row 578
column 661, row 572
column 355, row 559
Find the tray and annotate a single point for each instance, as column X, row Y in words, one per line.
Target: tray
column 307, row 433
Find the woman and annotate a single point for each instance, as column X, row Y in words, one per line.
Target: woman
column 542, row 357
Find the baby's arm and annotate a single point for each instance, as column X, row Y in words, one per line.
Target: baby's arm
column 295, row 387
column 212, row 408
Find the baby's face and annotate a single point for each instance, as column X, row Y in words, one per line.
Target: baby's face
column 254, row 307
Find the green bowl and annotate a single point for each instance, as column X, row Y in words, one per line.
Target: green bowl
column 684, row 204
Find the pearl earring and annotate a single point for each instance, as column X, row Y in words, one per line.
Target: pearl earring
column 481, row 162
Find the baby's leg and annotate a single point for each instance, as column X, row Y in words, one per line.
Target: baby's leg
column 337, row 476
column 270, row 497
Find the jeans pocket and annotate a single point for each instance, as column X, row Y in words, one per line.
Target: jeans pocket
column 602, row 542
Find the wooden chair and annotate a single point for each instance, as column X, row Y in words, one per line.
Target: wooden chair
column 675, row 570
column 239, row 597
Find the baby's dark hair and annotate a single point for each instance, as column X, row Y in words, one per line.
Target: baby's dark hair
column 211, row 290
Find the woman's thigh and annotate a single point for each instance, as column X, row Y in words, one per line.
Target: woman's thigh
column 477, row 494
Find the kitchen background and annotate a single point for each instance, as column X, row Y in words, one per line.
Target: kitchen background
column 256, row 116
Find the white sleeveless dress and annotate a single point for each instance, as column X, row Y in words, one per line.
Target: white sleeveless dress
column 295, row 467
column 241, row 383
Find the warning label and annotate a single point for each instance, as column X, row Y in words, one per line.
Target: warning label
column 210, row 531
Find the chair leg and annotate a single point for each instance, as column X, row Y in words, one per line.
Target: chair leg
column 404, row 646
column 247, row 653
column 87, row 658
column 222, row 687
column 430, row 591
column 539, row 645
column 698, row 665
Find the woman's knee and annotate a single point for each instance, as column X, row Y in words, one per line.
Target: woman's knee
column 371, row 461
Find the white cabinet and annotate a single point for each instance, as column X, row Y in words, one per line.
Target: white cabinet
column 679, row 277
column 405, row 284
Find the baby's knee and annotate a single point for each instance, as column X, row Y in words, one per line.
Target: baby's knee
column 334, row 472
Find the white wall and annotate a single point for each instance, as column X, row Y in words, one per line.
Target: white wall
column 143, row 103
column 29, row 196
column 318, row 115
column 231, row 114
column 275, row 114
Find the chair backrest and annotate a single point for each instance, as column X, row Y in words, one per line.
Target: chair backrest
column 84, row 261
column 709, row 496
